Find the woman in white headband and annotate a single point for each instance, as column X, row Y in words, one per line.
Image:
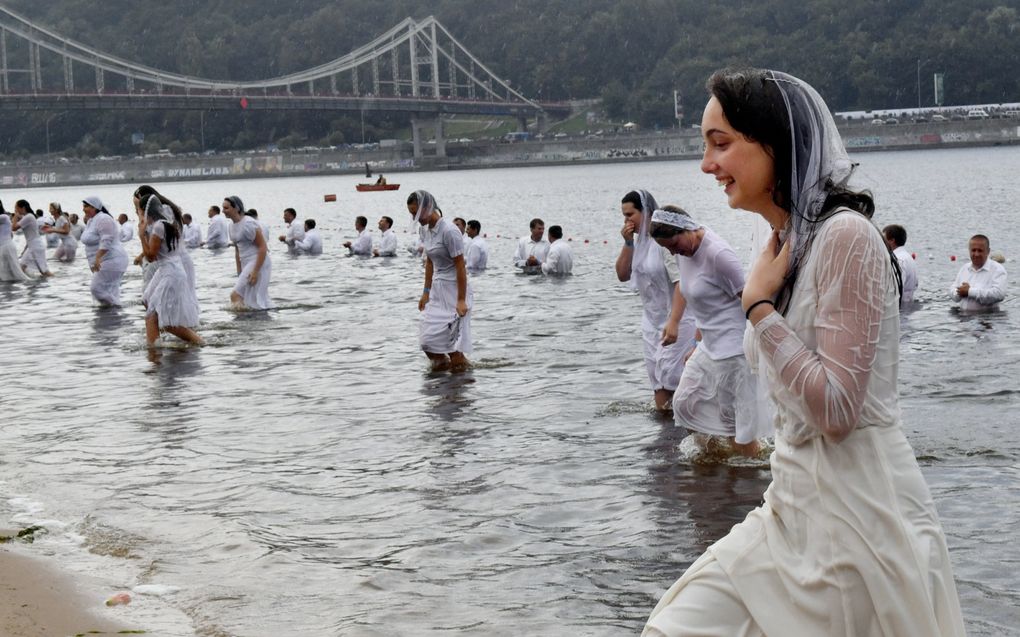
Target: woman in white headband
column 847, row 541
column 104, row 252
column 251, row 255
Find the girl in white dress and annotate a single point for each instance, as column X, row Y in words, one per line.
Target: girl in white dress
column 149, row 267
column 10, row 269
column 666, row 330
column 104, row 252
column 34, row 254
column 848, row 541
column 717, row 394
column 67, row 250
column 170, row 299
column 251, row 253
column 445, row 327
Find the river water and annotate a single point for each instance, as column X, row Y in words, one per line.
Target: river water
column 305, row 474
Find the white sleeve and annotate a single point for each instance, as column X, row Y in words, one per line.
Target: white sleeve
column 521, row 255
column 552, row 262
column 993, row 293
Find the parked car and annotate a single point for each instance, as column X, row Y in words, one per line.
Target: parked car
column 892, row 120
column 877, row 121
column 977, row 113
column 939, row 118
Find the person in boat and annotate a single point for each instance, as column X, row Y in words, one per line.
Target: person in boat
column 381, row 181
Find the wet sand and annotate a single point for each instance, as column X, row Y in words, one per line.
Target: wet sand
column 38, row 600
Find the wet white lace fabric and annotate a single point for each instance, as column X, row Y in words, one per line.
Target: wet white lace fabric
column 831, row 362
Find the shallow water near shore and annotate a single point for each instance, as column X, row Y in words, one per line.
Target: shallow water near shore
column 305, row 474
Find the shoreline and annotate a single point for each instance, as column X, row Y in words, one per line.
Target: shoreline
column 40, row 599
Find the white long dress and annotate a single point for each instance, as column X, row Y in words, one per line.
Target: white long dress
column 441, row 330
column 848, row 541
column 68, row 248
column 10, row 269
column 255, row 297
column 170, row 294
column 34, row 255
column 102, row 233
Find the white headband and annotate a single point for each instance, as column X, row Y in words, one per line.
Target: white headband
column 674, row 219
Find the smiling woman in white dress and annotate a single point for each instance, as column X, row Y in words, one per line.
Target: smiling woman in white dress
column 67, row 249
column 444, row 330
column 170, row 300
column 10, row 269
column 34, row 255
column 251, row 252
column 847, row 541
column 104, row 252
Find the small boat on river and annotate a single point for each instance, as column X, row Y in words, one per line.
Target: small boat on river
column 375, row 187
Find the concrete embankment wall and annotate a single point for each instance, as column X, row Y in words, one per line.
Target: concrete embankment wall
column 672, row 144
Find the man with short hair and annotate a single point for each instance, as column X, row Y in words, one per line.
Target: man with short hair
column 218, row 235
column 460, row 223
column 476, row 253
column 388, row 241
column 896, row 238
column 559, row 261
column 532, row 249
column 192, row 233
column 127, row 228
column 312, row 241
column 981, row 284
column 362, row 246
column 295, row 231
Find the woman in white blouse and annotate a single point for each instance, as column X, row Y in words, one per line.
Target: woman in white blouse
column 251, row 254
column 104, row 252
column 10, row 269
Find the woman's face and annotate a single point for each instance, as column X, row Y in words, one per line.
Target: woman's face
column 138, row 204
column 229, row 210
column 685, row 244
column 89, row 211
column 743, row 168
column 53, row 211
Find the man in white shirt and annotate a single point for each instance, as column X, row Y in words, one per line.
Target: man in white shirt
column 312, row 241
column 388, row 241
column 218, row 235
column 362, row 246
column 295, row 231
column 476, row 253
column 192, row 233
column 896, row 238
column 981, row 284
column 532, row 250
column 127, row 228
column 559, row 261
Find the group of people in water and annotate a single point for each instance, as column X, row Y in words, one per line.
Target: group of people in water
column 804, row 349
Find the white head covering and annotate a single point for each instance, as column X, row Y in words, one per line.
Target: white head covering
column 818, row 163
column 96, row 203
column 675, row 219
column 426, row 206
column 158, row 211
column 643, row 242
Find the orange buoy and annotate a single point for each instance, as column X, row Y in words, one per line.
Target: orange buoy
column 329, row 198
column 952, row 257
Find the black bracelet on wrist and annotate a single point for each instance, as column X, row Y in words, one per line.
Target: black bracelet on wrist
column 747, row 315
column 629, row 243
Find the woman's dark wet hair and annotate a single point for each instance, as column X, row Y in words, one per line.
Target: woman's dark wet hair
column 23, row 204
column 633, row 198
column 412, row 198
column 754, row 106
column 170, row 230
column 146, row 189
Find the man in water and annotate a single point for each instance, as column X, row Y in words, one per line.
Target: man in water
column 127, row 228
column 559, row 261
column 388, row 241
column 312, row 241
column 192, row 233
column 981, row 284
column 362, row 246
column 532, row 250
column 295, row 231
column 218, row 235
column 896, row 238
column 476, row 254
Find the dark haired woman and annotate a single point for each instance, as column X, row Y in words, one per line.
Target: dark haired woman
column 67, row 250
column 667, row 331
column 251, row 254
column 445, row 327
column 35, row 246
column 848, row 541
column 170, row 301
column 10, row 269
column 104, row 252
column 178, row 221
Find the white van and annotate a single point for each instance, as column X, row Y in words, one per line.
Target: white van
column 977, row 113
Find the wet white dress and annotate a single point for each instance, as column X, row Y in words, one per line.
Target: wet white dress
column 655, row 280
column 68, row 248
column 102, row 233
column 441, row 330
column 10, row 269
column 254, row 297
column 170, row 294
column 34, row 256
column 848, row 542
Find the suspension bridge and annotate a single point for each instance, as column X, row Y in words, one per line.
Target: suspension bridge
column 416, row 68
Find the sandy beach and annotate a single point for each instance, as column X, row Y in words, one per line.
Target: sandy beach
column 36, row 600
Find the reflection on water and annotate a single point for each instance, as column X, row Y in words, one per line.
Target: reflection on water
column 306, row 474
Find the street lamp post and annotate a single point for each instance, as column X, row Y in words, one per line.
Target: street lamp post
column 919, row 64
column 48, row 120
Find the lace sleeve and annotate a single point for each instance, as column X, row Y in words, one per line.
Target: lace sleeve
column 831, row 381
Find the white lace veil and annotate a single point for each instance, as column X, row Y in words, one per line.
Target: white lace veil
column 643, row 242
column 818, row 163
column 426, row 206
